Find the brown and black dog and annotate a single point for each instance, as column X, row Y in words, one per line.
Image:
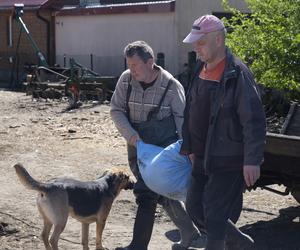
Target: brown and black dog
column 86, row 201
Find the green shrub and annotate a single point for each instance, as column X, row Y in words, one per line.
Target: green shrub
column 268, row 40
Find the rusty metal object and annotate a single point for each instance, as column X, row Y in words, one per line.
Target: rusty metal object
column 76, row 82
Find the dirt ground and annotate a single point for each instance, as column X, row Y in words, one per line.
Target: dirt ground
column 82, row 143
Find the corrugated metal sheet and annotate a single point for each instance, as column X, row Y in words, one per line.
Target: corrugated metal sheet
column 128, row 4
column 6, row 4
column 141, row 7
column 113, row 2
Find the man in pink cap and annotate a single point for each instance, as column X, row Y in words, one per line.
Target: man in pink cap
column 223, row 134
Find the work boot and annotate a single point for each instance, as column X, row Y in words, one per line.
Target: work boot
column 142, row 229
column 185, row 244
column 188, row 231
column 215, row 244
column 236, row 239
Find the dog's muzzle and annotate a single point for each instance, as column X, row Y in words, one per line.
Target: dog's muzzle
column 130, row 185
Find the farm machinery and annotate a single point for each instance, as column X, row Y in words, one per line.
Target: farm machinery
column 281, row 164
column 75, row 82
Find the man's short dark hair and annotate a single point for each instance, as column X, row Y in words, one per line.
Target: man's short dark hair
column 139, row 48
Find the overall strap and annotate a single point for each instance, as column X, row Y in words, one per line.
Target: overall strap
column 129, row 88
column 155, row 110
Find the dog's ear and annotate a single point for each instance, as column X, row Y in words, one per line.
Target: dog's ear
column 106, row 172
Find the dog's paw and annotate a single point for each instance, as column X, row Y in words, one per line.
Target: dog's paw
column 102, row 248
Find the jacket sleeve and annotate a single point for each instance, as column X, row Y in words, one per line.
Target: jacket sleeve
column 178, row 105
column 185, row 146
column 118, row 108
column 252, row 118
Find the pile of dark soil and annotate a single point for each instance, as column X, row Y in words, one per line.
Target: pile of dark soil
column 275, row 123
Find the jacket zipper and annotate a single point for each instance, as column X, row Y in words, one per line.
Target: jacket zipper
column 212, row 124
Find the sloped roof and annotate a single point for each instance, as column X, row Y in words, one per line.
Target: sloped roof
column 27, row 3
column 36, row 4
column 124, row 1
column 132, row 7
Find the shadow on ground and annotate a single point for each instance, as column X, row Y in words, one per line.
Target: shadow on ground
column 281, row 233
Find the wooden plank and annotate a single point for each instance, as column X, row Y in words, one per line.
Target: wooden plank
column 294, row 124
column 288, row 118
column 285, row 145
column 291, row 125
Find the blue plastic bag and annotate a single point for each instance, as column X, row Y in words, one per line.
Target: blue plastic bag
column 164, row 170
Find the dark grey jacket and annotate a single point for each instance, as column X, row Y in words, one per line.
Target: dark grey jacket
column 237, row 125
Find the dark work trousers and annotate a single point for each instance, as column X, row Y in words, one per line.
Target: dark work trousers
column 214, row 199
column 147, row 201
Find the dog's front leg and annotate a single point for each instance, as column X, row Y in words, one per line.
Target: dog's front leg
column 99, row 231
column 85, row 236
column 101, row 220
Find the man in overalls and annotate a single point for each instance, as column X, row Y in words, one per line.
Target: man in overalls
column 148, row 104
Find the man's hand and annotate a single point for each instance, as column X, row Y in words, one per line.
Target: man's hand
column 134, row 139
column 192, row 158
column 251, row 174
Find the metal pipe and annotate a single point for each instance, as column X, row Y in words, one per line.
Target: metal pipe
column 48, row 33
column 52, row 71
column 286, row 192
column 18, row 12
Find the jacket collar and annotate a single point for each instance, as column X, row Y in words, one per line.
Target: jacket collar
column 231, row 69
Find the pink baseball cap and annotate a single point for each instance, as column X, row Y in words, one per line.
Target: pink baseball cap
column 203, row 25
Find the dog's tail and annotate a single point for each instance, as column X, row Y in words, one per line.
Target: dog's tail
column 27, row 180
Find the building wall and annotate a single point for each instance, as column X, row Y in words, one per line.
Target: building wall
column 186, row 11
column 26, row 53
column 105, row 36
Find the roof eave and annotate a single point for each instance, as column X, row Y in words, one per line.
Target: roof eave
column 154, row 7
